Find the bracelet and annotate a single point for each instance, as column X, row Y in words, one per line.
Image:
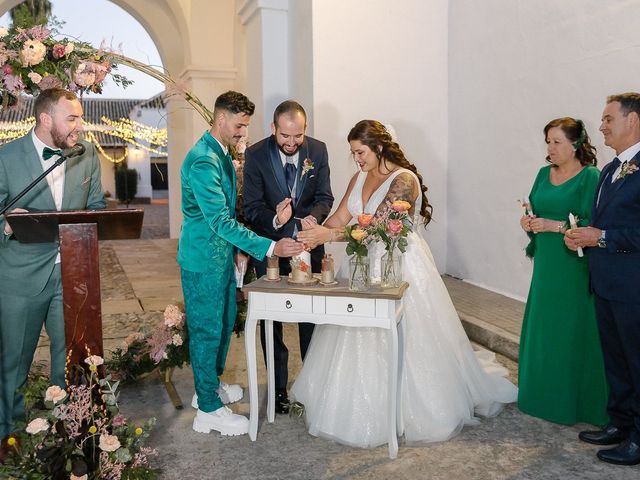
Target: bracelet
column 561, row 227
column 331, row 235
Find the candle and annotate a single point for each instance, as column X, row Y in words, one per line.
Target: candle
column 574, row 224
column 327, row 274
column 273, row 268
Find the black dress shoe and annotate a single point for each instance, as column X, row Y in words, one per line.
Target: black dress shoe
column 282, row 402
column 609, row 435
column 627, row 453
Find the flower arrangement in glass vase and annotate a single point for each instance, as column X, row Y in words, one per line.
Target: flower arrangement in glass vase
column 165, row 348
column 78, row 433
column 391, row 226
column 358, row 236
column 33, row 59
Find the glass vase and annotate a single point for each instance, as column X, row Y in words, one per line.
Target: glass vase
column 391, row 265
column 358, row 273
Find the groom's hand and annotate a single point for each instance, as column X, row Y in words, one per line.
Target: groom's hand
column 287, row 247
column 284, row 212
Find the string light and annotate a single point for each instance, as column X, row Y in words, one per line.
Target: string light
column 124, row 129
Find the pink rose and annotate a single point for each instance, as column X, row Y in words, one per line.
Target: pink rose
column 394, row 226
column 94, row 360
column 7, row 69
column 173, row 317
column 58, row 50
column 119, row 420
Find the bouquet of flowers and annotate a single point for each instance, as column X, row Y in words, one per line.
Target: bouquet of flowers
column 79, row 433
column 165, row 348
column 31, row 60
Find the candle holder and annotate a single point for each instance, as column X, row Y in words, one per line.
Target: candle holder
column 273, row 269
column 327, row 274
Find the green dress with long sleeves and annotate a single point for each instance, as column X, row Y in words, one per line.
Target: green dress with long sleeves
column 561, row 370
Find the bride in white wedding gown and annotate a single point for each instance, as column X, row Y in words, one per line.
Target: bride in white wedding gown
column 343, row 383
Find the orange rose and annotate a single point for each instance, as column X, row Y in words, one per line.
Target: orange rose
column 365, row 219
column 358, row 234
column 400, row 206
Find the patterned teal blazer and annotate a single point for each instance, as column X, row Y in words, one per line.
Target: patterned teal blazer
column 209, row 228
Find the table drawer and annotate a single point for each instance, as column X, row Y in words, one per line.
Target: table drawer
column 351, row 306
column 285, row 302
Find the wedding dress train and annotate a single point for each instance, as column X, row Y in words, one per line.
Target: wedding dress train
column 445, row 384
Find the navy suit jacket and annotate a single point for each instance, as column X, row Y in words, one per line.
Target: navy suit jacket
column 265, row 186
column 615, row 270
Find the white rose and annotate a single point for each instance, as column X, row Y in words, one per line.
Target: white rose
column 68, row 48
column 32, row 53
column 34, row 77
column 37, row 425
column 3, row 32
column 109, row 443
column 176, row 340
column 54, row 394
column 94, row 360
column 74, row 477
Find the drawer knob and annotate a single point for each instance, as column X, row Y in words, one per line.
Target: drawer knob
column 288, row 304
column 349, row 308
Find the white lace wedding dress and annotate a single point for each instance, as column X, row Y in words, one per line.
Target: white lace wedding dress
column 344, row 380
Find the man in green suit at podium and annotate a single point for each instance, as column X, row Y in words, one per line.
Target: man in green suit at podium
column 30, row 281
column 210, row 238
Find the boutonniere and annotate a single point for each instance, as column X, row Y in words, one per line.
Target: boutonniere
column 627, row 169
column 307, row 165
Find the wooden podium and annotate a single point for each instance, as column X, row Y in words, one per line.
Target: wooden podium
column 79, row 232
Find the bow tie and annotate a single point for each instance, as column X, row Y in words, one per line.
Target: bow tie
column 47, row 153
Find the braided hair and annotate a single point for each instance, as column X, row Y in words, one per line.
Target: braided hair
column 374, row 135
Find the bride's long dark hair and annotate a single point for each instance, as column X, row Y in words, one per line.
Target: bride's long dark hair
column 374, row 135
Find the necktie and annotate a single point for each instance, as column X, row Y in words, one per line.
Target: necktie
column 607, row 185
column 47, row 153
column 290, row 175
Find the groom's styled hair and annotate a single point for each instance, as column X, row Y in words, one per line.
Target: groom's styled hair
column 47, row 100
column 233, row 102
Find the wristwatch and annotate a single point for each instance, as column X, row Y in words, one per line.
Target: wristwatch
column 602, row 241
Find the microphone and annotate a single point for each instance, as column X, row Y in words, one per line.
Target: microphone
column 76, row 150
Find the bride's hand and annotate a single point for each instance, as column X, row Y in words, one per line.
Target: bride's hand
column 308, row 222
column 314, row 236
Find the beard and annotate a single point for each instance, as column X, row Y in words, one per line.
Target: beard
column 289, row 154
column 61, row 139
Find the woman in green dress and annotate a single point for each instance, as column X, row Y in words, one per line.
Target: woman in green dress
column 561, row 370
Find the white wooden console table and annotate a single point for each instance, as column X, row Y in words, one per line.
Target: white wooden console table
column 337, row 305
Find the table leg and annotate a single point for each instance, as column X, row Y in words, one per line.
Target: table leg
column 400, row 413
column 393, row 392
column 252, row 370
column 166, row 377
column 271, row 380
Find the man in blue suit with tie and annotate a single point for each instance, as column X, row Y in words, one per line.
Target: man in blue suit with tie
column 614, row 263
column 286, row 176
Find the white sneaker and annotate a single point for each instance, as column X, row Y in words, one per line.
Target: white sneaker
column 222, row 420
column 227, row 393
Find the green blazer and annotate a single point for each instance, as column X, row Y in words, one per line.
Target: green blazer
column 209, row 228
column 25, row 268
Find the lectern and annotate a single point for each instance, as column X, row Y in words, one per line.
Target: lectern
column 79, row 232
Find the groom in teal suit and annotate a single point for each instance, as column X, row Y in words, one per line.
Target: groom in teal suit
column 210, row 237
column 30, row 281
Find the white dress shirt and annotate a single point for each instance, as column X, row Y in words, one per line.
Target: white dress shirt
column 625, row 156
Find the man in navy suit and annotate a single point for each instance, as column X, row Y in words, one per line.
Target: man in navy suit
column 286, row 177
column 614, row 263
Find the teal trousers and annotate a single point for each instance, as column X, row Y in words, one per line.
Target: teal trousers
column 210, row 307
column 21, row 321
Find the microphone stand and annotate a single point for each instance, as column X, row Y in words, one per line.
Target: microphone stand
column 57, row 163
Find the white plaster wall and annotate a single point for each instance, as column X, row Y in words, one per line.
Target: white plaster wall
column 301, row 57
column 515, row 65
column 386, row 61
